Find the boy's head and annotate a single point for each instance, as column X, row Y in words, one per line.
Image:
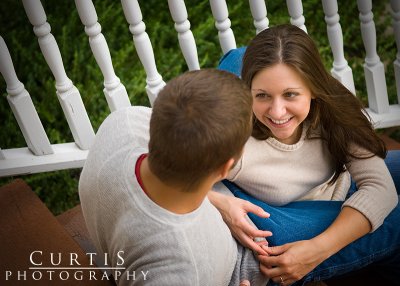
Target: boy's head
column 200, row 120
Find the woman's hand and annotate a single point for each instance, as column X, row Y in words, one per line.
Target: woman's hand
column 290, row 262
column 234, row 212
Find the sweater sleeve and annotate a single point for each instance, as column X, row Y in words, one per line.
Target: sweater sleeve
column 376, row 196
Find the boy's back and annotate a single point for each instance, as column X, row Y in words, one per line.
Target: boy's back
column 154, row 241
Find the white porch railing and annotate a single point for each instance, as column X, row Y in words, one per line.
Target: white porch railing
column 40, row 155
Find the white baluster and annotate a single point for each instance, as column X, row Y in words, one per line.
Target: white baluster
column 259, row 13
column 187, row 43
column 22, row 106
column 114, row 90
column 341, row 70
column 67, row 93
column 2, row 157
column 223, row 25
column 373, row 68
column 143, row 46
column 295, row 9
column 395, row 4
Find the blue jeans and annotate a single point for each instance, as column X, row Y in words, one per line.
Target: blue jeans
column 306, row 219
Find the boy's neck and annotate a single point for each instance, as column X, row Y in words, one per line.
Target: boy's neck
column 171, row 198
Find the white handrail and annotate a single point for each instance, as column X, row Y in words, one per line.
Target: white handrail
column 143, row 46
column 295, row 9
column 22, row 106
column 67, row 93
column 373, row 68
column 341, row 70
column 223, row 24
column 40, row 155
column 114, row 90
column 395, row 6
column 185, row 36
column 259, row 13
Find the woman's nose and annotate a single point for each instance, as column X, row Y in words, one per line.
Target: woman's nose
column 277, row 109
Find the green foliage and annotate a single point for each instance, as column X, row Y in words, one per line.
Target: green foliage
column 59, row 189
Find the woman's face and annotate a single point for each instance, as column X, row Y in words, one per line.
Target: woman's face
column 281, row 101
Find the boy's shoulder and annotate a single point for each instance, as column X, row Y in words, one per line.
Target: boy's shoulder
column 127, row 124
column 141, row 113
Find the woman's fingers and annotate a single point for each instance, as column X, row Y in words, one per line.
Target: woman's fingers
column 254, row 232
column 254, row 238
column 276, row 273
column 289, row 262
column 261, row 242
column 277, row 250
column 252, row 208
column 248, row 242
column 234, row 212
column 271, row 262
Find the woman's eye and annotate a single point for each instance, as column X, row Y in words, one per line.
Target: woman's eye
column 291, row 94
column 261, row 95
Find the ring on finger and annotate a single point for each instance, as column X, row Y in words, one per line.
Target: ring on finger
column 282, row 282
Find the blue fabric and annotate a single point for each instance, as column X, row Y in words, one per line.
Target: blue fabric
column 284, row 220
column 393, row 162
column 232, row 61
column 306, row 219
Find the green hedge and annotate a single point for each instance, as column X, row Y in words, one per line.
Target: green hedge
column 59, row 189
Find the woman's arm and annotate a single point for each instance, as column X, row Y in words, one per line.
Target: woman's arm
column 234, row 212
column 293, row 261
column 363, row 212
column 376, row 196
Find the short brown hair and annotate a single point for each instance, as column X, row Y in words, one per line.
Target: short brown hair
column 200, row 120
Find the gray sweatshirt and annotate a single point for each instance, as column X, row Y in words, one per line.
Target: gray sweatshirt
column 148, row 244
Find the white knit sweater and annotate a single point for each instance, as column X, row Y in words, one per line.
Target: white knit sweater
column 278, row 174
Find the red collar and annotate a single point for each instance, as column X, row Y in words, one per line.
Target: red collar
column 137, row 171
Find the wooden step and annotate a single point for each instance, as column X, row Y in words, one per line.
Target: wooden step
column 30, row 235
column 73, row 222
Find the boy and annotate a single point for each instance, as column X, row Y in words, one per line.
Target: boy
column 144, row 193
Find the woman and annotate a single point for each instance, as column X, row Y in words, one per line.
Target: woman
column 310, row 135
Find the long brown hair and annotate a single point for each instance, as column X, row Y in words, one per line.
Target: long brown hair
column 335, row 112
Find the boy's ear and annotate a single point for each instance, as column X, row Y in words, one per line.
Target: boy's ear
column 225, row 168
